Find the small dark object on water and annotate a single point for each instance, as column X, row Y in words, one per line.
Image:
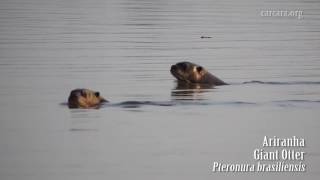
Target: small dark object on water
column 205, row 37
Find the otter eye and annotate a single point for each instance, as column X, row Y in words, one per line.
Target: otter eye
column 199, row 68
column 97, row 94
column 83, row 93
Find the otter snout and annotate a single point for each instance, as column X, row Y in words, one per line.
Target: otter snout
column 173, row 68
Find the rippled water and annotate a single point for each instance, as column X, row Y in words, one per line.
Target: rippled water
column 125, row 49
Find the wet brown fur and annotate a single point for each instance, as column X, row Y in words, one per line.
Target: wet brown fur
column 192, row 73
column 85, row 99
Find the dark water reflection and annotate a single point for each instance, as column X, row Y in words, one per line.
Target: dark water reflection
column 187, row 91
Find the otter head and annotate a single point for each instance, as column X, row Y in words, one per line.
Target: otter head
column 188, row 72
column 85, row 98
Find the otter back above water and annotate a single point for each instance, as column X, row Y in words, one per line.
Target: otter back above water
column 186, row 94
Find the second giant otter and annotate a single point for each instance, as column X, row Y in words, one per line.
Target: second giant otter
column 85, row 99
column 194, row 74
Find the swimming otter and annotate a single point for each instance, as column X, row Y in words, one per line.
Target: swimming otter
column 192, row 73
column 85, row 99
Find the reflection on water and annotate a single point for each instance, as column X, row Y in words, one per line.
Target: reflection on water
column 185, row 86
column 188, row 91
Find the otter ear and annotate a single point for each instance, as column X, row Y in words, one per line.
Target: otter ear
column 97, row 94
column 199, row 69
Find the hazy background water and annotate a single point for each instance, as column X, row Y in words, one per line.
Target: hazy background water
column 124, row 49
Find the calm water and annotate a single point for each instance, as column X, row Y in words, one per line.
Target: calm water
column 124, row 49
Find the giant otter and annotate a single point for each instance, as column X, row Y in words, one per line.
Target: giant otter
column 192, row 73
column 85, row 99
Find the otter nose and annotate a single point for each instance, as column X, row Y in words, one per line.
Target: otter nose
column 173, row 67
